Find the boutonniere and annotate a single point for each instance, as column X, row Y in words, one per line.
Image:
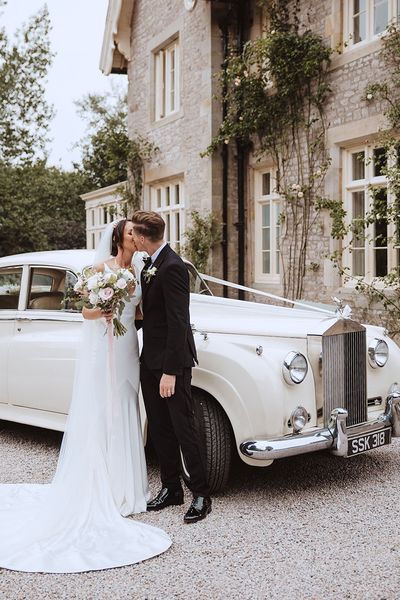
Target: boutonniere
column 149, row 273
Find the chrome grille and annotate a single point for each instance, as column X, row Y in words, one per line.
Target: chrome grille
column 344, row 373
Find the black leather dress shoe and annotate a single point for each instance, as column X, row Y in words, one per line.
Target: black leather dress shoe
column 198, row 510
column 165, row 497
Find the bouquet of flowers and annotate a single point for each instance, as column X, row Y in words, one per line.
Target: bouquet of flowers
column 107, row 291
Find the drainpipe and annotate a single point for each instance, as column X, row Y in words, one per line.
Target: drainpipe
column 241, row 155
column 225, row 165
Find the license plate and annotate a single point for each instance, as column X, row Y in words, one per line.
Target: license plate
column 369, row 441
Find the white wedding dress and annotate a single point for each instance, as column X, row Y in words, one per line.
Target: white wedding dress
column 77, row 522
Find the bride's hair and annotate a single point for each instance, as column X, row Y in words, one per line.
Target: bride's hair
column 118, row 236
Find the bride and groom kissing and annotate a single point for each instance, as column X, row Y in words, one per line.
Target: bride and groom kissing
column 78, row 521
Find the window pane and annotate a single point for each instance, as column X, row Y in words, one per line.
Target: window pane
column 359, row 21
column 70, row 302
column 167, row 195
column 265, row 215
column 167, row 219
column 381, row 16
column 41, row 283
column 358, row 165
column 158, row 196
column 266, row 262
column 358, row 214
column 266, row 184
column 177, row 193
column 381, row 262
column 381, row 233
column 358, row 262
column 278, row 259
column 172, row 82
column 10, row 286
column 379, row 161
column 398, row 10
column 47, row 289
column 266, row 239
column 177, row 226
column 358, row 205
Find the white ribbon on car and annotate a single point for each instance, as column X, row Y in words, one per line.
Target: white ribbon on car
column 236, row 286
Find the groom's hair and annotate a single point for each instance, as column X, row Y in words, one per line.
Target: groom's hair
column 149, row 224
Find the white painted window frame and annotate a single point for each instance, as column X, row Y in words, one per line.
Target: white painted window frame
column 348, row 12
column 172, row 212
column 274, row 200
column 164, row 88
column 350, row 186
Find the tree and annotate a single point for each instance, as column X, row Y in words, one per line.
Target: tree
column 109, row 156
column 24, row 112
column 40, row 208
column 105, row 150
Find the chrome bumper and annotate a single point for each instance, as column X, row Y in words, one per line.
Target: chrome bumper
column 334, row 437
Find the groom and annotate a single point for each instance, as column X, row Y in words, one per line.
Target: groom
column 166, row 362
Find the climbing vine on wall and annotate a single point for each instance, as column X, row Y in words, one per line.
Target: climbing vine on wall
column 276, row 92
column 140, row 151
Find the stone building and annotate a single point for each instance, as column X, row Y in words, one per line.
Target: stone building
column 170, row 52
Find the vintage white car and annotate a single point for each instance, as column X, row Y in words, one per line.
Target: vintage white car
column 272, row 381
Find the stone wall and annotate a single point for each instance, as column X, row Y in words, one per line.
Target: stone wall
column 182, row 137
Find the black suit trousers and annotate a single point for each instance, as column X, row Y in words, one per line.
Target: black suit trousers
column 173, row 423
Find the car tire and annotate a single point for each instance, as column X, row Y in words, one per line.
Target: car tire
column 215, row 432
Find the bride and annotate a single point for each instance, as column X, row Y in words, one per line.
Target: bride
column 76, row 523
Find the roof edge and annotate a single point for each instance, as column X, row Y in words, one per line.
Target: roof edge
column 116, row 47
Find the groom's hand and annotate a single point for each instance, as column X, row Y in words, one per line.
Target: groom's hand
column 167, row 385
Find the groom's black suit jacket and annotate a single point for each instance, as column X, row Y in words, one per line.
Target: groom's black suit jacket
column 168, row 343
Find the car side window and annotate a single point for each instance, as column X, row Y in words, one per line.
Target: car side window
column 10, row 287
column 48, row 288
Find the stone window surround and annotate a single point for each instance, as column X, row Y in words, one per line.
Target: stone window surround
column 273, row 199
column 364, row 132
column 335, row 30
column 156, row 43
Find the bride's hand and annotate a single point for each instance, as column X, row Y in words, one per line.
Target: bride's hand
column 91, row 314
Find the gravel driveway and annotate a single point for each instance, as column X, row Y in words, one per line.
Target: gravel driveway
column 314, row 527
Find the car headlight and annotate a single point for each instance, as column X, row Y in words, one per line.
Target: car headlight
column 294, row 367
column 378, row 353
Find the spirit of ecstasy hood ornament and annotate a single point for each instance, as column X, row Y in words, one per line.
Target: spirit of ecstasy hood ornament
column 342, row 311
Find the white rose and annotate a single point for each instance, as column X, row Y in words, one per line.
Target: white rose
column 121, row 284
column 78, row 285
column 93, row 298
column 300, row 194
column 93, row 282
column 127, row 275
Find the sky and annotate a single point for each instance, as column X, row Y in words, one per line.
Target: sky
column 76, row 38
